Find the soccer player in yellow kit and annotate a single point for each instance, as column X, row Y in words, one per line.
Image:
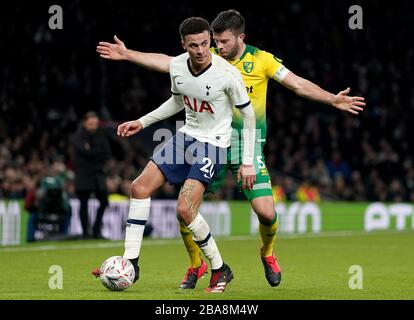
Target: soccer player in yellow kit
column 257, row 68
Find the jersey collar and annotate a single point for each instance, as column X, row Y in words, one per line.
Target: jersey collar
column 201, row 72
column 247, row 49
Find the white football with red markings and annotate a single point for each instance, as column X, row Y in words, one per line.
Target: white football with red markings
column 117, row 273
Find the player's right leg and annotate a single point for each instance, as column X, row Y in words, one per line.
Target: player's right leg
column 142, row 187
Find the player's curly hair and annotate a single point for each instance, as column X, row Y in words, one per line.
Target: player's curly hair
column 229, row 20
column 193, row 25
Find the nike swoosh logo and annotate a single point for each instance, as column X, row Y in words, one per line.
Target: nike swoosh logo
column 180, row 82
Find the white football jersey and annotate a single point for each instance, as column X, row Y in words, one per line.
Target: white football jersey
column 209, row 98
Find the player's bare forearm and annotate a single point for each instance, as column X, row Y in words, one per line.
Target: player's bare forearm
column 308, row 89
column 311, row 91
column 119, row 52
column 153, row 61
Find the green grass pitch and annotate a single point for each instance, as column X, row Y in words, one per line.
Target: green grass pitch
column 314, row 267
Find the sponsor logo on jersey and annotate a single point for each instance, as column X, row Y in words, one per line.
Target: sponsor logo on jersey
column 197, row 105
column 248, row 66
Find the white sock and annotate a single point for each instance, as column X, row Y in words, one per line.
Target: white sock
column 138, row 215
column 202, row 236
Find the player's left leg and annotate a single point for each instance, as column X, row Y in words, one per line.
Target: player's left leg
column 198, row 266
column 261, row 200
column 187, row 209
column 264, row 207
column 189, row 201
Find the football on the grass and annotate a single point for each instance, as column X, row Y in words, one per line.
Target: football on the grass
column 117, row 273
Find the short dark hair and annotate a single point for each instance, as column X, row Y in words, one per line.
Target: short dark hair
column 228, row 20
column 90, row 114
column 193, row 25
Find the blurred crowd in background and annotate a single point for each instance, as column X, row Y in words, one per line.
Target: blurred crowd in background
column 50, row 78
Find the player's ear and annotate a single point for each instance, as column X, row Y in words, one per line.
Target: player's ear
column 183, row 44
column 242, row 36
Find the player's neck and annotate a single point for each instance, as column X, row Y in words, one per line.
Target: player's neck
column 242, row 48
column 197, row 68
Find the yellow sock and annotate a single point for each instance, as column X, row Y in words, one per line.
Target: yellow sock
column 192, row 248
column 268, row 234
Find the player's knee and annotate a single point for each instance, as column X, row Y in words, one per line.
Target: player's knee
column 139, row 190
column 183, row 212
column 265, row 209
column 266, row 216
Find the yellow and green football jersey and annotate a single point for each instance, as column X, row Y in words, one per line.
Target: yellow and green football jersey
column 257, row 67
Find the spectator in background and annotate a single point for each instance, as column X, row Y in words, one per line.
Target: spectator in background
column 320, row 174
column 341, row 190
column 113, row 185
column 91, row 152
column 52, row 198
column 396, row 191
column 290, row 189
column 338, row 166
column 358, row 189
column 52, row 83
column 47, row 201
column 308, row 193
column 278, row 194
column 32, row 207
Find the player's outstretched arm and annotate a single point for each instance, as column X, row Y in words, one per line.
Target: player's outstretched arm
column 311, row 91
column 119, row 52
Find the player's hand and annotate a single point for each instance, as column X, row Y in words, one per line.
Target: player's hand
column 247, row 174
column 350, row 104
column 129, row 128
column 112, row 51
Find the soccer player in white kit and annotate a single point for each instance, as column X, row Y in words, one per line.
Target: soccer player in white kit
column 207, row 87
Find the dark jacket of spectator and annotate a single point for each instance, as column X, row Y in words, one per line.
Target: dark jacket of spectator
column 92, row 150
